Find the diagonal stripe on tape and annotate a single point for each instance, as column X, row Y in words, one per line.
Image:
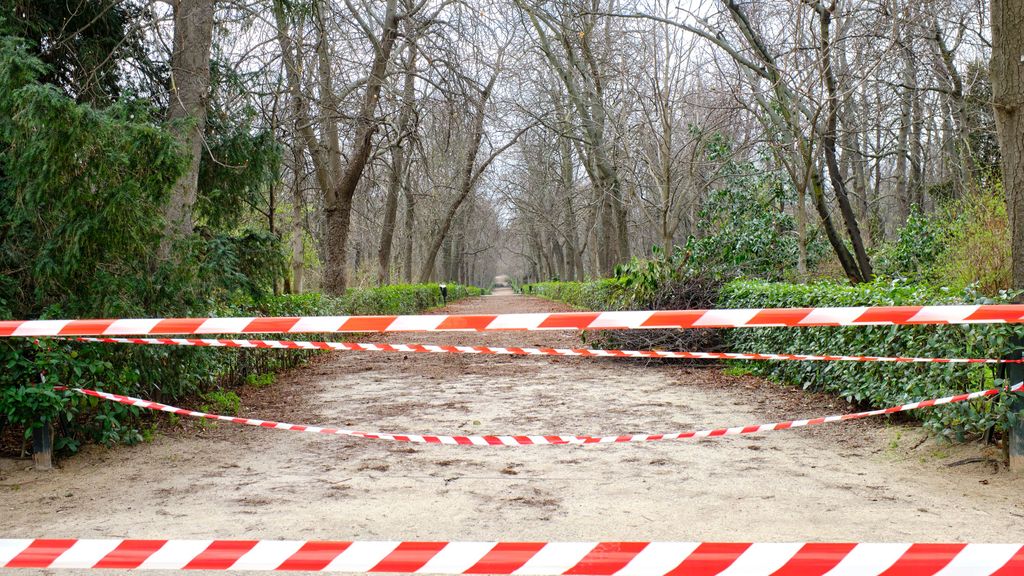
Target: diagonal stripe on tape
column 615, row 320
column 537, row 558
column 581, row 352
column 527, row 440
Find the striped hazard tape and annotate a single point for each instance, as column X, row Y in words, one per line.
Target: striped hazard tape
column 534, row 558
column 583, row 352
column 531, row 440
column 629, row 320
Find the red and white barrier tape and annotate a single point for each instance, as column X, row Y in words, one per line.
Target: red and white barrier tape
column 584, row 352
column 531, row 440
column 730, row 318
column 532, row 558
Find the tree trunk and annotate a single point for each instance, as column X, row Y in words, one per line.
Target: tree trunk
column 605, row 248
column 903, row 191
column 846, row 259
column 960, row 152
column 338, row 202
column 328, row 101
column 574, row 262
column 304, row 139
column 298, row 254
column 801, row 231
column 916, row 181
column 300, row 110
column 1007, row 71
column 580, row 75
column 853, row 156
column 864, row 271
column 190, row 87
column 851, row 135
column 387, row 232
column 387, row 229
column 410, row 221
column 621, row 225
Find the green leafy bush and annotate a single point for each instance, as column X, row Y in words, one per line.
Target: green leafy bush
column 978, row 244
column 663, row 282
column 82, row 191
column 260, row 380
column 744, row 229
column 876, row 384
column 879, row 384
column 964, row 243
column 31, row 368
column 915, row 252
column 596, row 295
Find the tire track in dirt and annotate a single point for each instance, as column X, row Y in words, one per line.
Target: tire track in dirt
column 857, row 481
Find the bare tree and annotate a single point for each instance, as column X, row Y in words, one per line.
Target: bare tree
column 398, row 161
column 566, row 35
column 338, row 198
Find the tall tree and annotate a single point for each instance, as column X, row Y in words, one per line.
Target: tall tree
column 469, row 173
column 338, row 199
column 398, row 162
column 1007, row 70
column 801, row 125
column 190, row 87
column 565, row 35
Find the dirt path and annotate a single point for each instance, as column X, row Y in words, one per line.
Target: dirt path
column 858, row 481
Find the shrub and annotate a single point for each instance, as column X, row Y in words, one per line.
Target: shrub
column 596, row 295
column 691, row 292
column 744, row 228
column 660, row 283
column 221, row 402
column 876, row 384
column 915, row 252
column 964, row 243
column 33, row 367
column 978, row 244
column 879, row 384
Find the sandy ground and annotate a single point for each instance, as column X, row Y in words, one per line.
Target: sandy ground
column 857, row 481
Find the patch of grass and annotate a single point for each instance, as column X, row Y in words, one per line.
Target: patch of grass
column 221, row 402
column 737, row 370
column 260, row 380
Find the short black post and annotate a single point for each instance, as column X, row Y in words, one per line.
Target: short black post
column 42, row 447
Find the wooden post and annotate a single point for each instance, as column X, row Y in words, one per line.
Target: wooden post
column 42, row 447
column 1015, row 434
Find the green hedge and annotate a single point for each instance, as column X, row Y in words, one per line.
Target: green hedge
column 238, row 365
column 596, row 295
column 166, row 372
column 874, row 384
column 382, row 300
column 879, row 384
